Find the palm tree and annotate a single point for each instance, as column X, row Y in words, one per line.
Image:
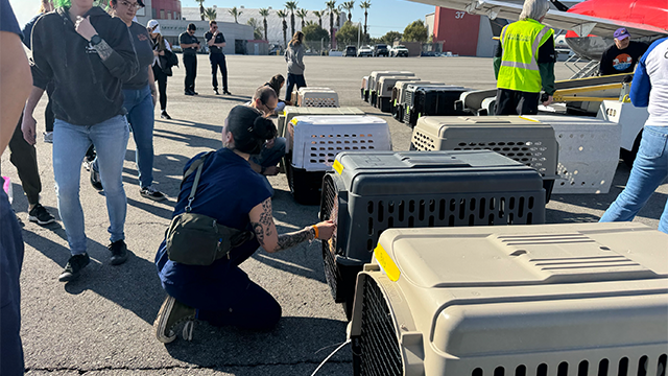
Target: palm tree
column 201, row 8
column 319, row 14
column 337, row 12
column 283, row 14
column 365, row 5
column 235, row 13
column 331, row 6
column 349, row 6
column 264, row 12
column 292, row 7
column 302, row 13
column 210, row 14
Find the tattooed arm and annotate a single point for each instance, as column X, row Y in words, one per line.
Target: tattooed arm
column 262, row 221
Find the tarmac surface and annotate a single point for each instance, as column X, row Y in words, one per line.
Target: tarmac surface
column 101, row 324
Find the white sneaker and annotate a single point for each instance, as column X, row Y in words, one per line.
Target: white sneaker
column 48, row 137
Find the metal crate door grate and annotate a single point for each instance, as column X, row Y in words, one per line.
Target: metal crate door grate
column 329, row 210
column 379, row 348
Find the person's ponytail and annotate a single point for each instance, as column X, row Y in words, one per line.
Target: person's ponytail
column 250, row 129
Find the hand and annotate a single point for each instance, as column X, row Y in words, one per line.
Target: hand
column 271, row 171
column 548, row 101
column 270, row 143
column 85, row 28
column 325, row 229
column 28, row 127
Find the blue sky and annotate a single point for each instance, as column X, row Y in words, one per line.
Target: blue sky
column 384, row 15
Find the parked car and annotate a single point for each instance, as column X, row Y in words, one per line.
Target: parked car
column 381, row 50
column 350, row 51
column 275, row 50
column 398, row 51
column 365, row 51
column 177, row 49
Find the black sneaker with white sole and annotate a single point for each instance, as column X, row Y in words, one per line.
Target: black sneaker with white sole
column 152, row 193
column 73, row 267
column 119, row 252
column 40, row 215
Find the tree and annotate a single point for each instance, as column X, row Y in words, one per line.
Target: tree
column 319, row 14
column 331, row 6
column 302, row 13
column 235, row 13
column 264, row 12
column 313, row 32
column 257, row 28
column 348, row 34
column 337, row 13
column 416, row 32
column 390, row 37
column 349, row 6
column 291, row 6
column 201, row 8
column 366, row 5
column 283, row 14
column 210, row 14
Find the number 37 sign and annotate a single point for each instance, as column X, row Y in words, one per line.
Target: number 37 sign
column 459, row 15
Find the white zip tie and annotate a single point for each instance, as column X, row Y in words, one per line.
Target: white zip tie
column 329, row 356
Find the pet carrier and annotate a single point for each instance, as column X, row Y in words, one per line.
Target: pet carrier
column 409, row 96
column 316, row 140
column 384, row 89
column 364, row 90
column 431, row 101
column 370, row 192
column 316, row 97
column 375, row 77
column 526, row 141
column 291, row 111
column 399, row 95
column 575, row 299
column 588, row 152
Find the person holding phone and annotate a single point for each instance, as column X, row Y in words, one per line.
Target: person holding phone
column 190, row 46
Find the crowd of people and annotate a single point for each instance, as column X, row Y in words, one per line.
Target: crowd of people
column 99, row 69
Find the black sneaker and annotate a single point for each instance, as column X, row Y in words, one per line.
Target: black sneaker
column 215, row 91
column 40, row 215
column 165, row 115
column 95, row 179
column 226, row 92
column 119, row 252
column 73, row 267
column 194, row 92
column 171, row 314
column 189, row 93
column 152, row 193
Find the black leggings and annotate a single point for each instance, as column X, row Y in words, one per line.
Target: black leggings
column 161, row 78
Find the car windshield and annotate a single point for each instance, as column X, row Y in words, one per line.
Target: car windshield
column 400, row 47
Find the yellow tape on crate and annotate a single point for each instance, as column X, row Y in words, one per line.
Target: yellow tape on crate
column 338, row 167
column 386, row 263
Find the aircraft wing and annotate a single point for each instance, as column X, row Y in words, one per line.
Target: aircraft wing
column 581, row 24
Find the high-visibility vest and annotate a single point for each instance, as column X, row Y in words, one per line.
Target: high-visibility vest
column 519, row 65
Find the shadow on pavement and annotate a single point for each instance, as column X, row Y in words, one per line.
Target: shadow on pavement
column 190, row 140
column 295, row 340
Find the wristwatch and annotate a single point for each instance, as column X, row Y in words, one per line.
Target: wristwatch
column 95, row 40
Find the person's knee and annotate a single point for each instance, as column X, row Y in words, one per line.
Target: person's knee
column 272, row 313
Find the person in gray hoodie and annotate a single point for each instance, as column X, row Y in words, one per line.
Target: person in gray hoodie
column 294, row 56
column 88, row 55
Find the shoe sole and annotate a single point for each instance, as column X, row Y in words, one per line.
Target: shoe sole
column 41, row 223
column 161, row 321
column 68, row 278
column 163, row 198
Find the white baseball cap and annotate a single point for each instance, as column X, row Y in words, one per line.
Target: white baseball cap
column 153, row 25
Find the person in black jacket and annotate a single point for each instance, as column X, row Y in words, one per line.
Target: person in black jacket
column 88, row 55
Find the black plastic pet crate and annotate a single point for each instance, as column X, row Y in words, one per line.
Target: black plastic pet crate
column 432, row 101
column 369, row 192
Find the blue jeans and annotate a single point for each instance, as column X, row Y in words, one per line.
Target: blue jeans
column 139, row 105
column 294, row 79
column 649, row 170
column 70, row 143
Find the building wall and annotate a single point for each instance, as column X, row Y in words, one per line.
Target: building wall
column 457, row 30
column 159, row 10
column 486, row 45
column 171, row 29
column 429, row 21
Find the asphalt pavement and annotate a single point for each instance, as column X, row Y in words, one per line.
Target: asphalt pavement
column 101, row 324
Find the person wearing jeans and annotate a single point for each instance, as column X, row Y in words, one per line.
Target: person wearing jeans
column 88, row 55
column 650, row 168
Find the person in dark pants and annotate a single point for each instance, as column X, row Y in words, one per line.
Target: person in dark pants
column 190, row 45
column 216, row 41
column 14, row 89
column 160, row 45
column 524, row 62
column 237, row 197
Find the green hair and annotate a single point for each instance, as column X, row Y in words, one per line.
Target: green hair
column 68, row 3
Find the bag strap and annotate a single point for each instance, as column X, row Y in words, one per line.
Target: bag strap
column 199, row 165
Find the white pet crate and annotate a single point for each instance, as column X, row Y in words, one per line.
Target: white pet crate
column 384, row 89
column 588, row 153
column 316, row 97
column 316, row 140
column 364, row 90
column 538, row 300
column 375, row 77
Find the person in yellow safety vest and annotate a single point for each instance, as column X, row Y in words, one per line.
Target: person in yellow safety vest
column 524, row 62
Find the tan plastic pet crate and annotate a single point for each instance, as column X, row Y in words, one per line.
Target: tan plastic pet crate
column 316, row 97
column 526, row 141
column 364, row 90
column 375, row 77
column 291, row 111
column 543, row 300
column 384, row 88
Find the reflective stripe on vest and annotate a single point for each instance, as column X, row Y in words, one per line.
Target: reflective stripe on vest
column 519, row 67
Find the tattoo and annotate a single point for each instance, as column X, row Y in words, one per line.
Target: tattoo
column 266, row 218
column 104, row 50
column 291, row 239
column 259, row 232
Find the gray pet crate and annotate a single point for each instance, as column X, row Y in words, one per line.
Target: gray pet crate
column 431, row 101
column 369, row 192
column 530, row 142
column 399, row 95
